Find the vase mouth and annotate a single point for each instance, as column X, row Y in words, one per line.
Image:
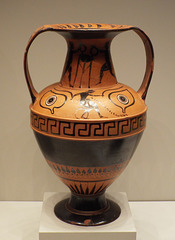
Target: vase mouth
column 86, row 30
column 84, row 27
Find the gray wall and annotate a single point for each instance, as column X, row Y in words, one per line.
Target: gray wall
column 24, row 174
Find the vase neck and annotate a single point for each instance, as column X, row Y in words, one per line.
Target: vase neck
column 88, row 64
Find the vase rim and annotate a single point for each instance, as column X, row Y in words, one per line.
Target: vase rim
column 84, row 27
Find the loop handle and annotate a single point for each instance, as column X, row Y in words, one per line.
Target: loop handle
column 40, row 30
column 149, row 62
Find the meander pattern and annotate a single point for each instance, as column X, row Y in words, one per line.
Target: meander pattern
column 88, row 130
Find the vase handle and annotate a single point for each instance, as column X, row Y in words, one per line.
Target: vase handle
column 149, row 61
column 146, row 41
column 40, row 30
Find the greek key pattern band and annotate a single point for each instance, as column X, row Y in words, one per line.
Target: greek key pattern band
column 88, row 130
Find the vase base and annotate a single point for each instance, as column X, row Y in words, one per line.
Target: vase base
column 87, row 218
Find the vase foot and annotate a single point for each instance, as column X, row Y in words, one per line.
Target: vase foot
column 86, row 213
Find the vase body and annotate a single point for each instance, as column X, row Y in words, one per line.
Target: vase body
column 88, row 125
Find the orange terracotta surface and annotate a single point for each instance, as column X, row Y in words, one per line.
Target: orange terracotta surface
column 68, row 103
column 88, row 91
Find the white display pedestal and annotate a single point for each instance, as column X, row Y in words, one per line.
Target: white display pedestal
column 53, row 229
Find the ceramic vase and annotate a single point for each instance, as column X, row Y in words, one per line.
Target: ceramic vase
column 88, row 124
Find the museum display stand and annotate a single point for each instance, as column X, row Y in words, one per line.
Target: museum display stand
column 154, row 220
column 52, row 228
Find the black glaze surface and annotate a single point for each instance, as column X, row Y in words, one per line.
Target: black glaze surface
column 88, row 153
column 87, row 202
column 87, row 209
column 87, row 218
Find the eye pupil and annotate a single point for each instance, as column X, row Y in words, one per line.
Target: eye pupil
column 51, row 100
column 123, row 99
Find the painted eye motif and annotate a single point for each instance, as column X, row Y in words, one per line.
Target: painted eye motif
column 123, row 99
column 51, row 100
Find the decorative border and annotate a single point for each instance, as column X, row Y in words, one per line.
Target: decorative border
column 87, row 180
column 84, row 26
column 88, row 130
column 87, row 173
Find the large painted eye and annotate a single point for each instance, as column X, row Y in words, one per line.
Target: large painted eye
column 51, row 100
column 123, row 99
